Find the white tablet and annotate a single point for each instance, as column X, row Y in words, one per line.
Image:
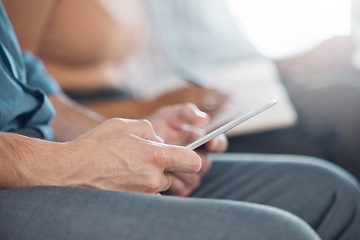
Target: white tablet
column 233, row 123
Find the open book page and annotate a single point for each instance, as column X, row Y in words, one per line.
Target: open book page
column 248, row 84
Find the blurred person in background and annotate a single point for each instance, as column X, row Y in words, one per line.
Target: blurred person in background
column 108, row 182
column 322, row 83
column 83, row 46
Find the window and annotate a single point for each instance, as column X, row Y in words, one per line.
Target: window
column 279, row 28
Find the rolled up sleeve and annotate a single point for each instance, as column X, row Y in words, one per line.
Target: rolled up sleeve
column 37, row 75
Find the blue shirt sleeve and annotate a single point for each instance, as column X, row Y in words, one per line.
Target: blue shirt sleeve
column 23, row 83
column 37, row 76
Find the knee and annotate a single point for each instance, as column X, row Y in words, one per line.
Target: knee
column 324, row 178
column 264, row 222
column 320, row 170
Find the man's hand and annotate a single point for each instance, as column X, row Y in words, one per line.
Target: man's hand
column 121, row 155
column 179, row 124
column 183, row 184
column 209, row 100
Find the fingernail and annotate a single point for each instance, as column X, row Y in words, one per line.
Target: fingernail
column 198, row 112
column 201, row 114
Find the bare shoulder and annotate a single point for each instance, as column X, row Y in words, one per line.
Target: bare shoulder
column 29, row 18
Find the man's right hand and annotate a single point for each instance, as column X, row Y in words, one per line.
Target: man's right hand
column 120, row 154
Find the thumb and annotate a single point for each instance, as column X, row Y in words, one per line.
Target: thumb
column 188, row 114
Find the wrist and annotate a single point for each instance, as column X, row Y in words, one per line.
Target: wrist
column 28, row 162
column 8, row 174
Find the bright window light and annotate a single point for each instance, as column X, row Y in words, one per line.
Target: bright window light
column 279, row 28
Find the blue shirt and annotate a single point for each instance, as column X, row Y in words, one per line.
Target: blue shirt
column 23, row 86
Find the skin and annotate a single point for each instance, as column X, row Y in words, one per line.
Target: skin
column 170, row 123
column 135, row 108
column 77, row 66
column 183, row 184
column 129, row 155
column 120, row 154
column 179, row 124
column 71, row 119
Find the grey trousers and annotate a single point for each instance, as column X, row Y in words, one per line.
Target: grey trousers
column 242, row 197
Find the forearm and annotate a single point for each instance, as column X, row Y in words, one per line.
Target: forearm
column 7, row 158
column 21, row 158
column 112, row 156
column 71, row 119
column 134, row 109
column 141, row 108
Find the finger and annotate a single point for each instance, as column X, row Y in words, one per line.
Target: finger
column 157, row 184
column 166, row 182
column 178, row 188
column 212, row 100
column 189, row 180
column 206, row 163
column 218, row 144
column 188, row 114
column 190, row 133
column 187, row 119
column 178, row 159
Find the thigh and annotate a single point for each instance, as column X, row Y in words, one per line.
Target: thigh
column 322, row 194
column 68, row 213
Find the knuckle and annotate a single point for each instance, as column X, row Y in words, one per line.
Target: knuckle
column 119, row 123
column 153, row 184
column 146, row 124
column 114, row 124
column 113, row 121
column 159, row 157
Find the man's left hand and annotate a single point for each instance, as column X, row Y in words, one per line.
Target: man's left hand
column 184, row 184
